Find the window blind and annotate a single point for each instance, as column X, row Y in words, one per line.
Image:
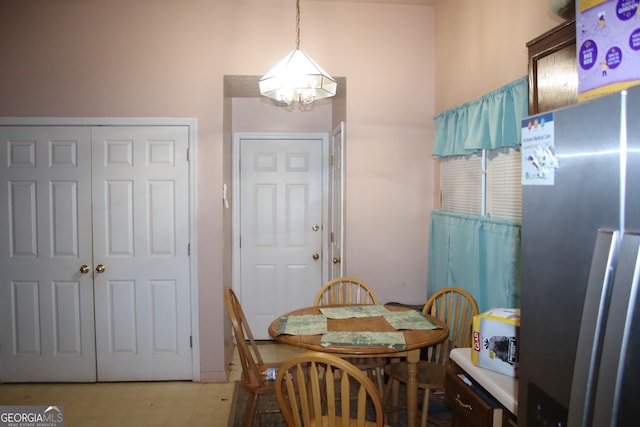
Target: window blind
column 461, row 188
column 461, row 184
column 504, row 189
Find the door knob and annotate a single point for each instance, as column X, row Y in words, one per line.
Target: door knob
column 315, row 255
column 84, row 269
column 100, row 268
column 315, row 227
column 336, row 260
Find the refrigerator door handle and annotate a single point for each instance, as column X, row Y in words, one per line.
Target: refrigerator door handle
column 615, row 388
column 592, row 326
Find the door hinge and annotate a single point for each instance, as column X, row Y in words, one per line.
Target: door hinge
column 332, row 237
column 190, row 341
column 188, row 154
column 188, row 249
column 331, row 160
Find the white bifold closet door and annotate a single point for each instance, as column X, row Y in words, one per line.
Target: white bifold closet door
column 94, row 237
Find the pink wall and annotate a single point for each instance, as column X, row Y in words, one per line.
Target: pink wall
column 481, row 45
column 167, row 58
column 147, row 58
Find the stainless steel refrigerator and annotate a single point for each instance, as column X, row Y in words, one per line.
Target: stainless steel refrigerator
column 580, row 310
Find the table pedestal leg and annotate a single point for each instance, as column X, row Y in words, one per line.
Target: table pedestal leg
column 413, row 357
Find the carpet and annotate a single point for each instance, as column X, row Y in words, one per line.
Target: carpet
column 437, row 410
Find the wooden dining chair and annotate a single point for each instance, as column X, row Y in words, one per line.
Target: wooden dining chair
column 456, row 308
column 320, row 389
column 352, row 291
column 254, row 370
column 345, row 291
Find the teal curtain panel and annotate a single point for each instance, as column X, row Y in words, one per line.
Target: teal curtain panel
column 478, row 254
column 489, row 122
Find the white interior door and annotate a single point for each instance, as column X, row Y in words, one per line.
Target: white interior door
column 337, row 202
column 74, row 198
column 46, row 304
column 281, row 227
column 141, row 240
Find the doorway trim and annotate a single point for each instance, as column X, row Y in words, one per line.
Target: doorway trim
column 192, row 125
column 237, row 137
column 337, row 213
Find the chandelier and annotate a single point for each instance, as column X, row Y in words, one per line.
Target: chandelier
column 297, row 77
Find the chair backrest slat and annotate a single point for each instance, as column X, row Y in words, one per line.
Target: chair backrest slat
column 321, row 380
column 303, row 409
column 345, row 291
column 456, row 308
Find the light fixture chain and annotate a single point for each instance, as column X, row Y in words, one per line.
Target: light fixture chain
column 297, row 24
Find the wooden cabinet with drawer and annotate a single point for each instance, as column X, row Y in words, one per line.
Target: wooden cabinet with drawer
column 470, row 404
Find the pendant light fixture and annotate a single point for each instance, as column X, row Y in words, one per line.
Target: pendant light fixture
column 297, row 77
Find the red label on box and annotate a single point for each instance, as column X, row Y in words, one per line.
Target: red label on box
column 476, row 340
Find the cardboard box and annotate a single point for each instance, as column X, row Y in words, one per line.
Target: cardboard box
column 495, row 340
column 607, row 45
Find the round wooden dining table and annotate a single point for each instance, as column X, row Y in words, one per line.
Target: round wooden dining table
column 415, row 340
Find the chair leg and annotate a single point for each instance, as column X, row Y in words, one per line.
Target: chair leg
column 425, row 408
column 385, row 398
column 380, row 380
column 392, row 387
column 376, row 375
column 371, row 374
column 250, row 410
column 387, row 392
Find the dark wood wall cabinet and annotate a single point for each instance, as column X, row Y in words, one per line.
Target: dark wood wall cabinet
column 553, row 72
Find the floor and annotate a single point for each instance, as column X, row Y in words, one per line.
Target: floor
column 176, row 403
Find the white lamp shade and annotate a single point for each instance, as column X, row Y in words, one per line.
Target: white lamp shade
column 297, row 77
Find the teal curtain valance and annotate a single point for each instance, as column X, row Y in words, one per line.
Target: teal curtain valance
column 492, row 121
column 478, row 254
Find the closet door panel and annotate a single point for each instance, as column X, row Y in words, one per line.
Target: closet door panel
column 141, row 238
column 46, row 303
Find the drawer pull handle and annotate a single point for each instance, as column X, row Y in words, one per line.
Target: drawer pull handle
column 464, row 405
